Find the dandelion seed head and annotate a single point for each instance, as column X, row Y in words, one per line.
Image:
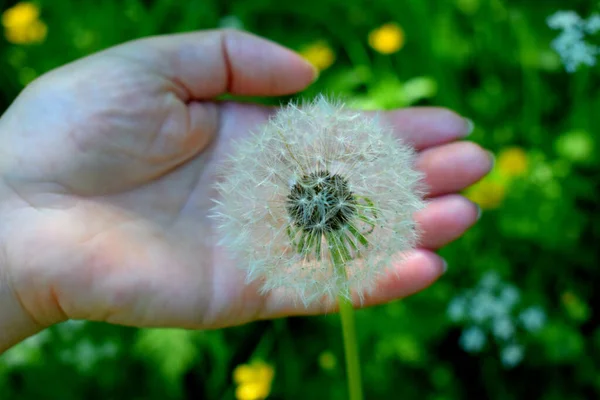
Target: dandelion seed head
column 319, row 181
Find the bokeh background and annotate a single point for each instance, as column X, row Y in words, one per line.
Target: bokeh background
column 513, row 318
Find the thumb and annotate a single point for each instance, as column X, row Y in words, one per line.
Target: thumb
column 210, row 63
column 102, row 135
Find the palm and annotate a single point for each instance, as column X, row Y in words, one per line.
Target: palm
column 115, row 200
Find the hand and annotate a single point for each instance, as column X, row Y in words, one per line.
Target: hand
column 106, row 171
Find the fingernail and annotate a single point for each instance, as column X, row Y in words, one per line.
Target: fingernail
column 316, row 73
column 444, row 266
column 492, row 159
column 470, row 126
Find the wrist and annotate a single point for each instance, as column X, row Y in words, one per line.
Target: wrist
column 15, row 322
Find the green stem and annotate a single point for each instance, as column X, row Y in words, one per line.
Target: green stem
column 350, row 348
column 339, row 253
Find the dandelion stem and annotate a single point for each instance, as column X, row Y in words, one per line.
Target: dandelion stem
column 339, row 255
column 350, row 348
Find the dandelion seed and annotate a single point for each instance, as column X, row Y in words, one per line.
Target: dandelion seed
column 319, row 183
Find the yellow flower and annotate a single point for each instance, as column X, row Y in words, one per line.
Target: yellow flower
column 387, row 39
column 487, row 194
column 253, row 380
column 22, row 25
column 21, row 15
column 512, row 162
column 34, row 33
column 319, row 54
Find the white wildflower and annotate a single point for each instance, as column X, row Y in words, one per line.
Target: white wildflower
column 512, row 355
column 570, row 43
column 592, row 25
column 503, row 328
column 457, row 309
column 319, row 187
column 533, row 319
column 510, row 296
column 564, row 20
column 490, row 280
column 472, row 339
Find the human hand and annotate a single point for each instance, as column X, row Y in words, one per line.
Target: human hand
column 107, row 169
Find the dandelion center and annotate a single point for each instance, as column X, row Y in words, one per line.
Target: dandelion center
column 321, row 201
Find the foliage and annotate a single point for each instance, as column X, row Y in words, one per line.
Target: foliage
column 490, row 60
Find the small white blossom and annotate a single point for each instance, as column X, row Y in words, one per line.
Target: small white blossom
column 490, row 280
column 570, row 43
column 533, row 319
column 490, row 308
column 483, row 307
column 564, row 20
column 512, row 355
column 457, row 309
column 472, row 339
column 592, row 25
column 510, row 296
column 503, row 328
column 316, row 184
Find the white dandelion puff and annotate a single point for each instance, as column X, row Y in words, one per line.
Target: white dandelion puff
column 319, row 202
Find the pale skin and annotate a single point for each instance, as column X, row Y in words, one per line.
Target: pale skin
column 106, row 173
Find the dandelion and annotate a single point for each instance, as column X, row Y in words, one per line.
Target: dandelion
column 387, row 39
column 319, row 185
column 512, row 162
column 319, row 204
column 22, row 24
column 319, row 54
column 253, row 380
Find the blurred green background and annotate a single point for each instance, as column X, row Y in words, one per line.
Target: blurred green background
column 513, row 317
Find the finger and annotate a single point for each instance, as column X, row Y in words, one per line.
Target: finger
column 421, row 127
column 211, row 63
column 452, row 167
column 424, row 127
column 415, row 273
column 445, row 219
